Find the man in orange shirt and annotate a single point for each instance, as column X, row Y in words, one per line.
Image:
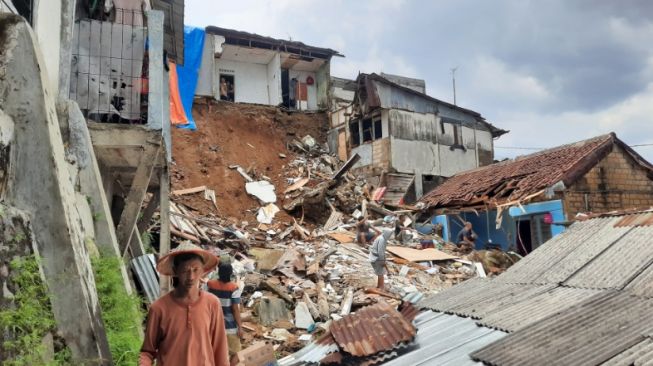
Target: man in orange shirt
column 186, row 327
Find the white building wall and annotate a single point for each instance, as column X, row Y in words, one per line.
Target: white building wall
column 250, row 80
column 415, row 156
column 418, row 144
column 47, row 26
column 311, row 89
column 274, row 80
column 205, row 84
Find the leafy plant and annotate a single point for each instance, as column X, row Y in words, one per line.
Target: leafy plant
column 29, row 319
column 121, row 312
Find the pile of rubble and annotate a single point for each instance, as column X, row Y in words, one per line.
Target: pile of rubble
column 304, row 272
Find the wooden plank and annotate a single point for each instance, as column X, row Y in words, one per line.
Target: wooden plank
column 181, row 192
column 348, row 165
column 343, row 237
column 137, row 194
column 417, row 255
column 334, row 220
column 152, row 205
column 135, row 245
column 164, row 236
column 184, row 235
column 322, row 303
column 299, row 184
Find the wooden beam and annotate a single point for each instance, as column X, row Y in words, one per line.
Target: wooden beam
column 136, row 244
column 151, row 207
column 164, row 235
column 137, row 195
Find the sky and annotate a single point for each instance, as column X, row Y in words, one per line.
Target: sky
column 552, row 72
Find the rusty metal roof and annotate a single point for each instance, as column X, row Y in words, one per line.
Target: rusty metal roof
column 372, row 329
column 640, row 219
column 527, row 175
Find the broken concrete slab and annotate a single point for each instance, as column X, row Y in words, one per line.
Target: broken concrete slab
column 266, row 213
column 263, row 190
column 303, row 318
column 271, row 310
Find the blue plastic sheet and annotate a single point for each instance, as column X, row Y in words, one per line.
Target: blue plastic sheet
column 188, row 74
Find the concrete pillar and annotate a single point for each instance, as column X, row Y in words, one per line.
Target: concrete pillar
column 158, row 110
column 65, row 54
column 40, row 184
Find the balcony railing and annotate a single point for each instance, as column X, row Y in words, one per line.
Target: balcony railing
column 109, row 73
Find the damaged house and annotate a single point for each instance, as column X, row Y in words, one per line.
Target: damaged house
column 521, row 203
column 408, row 139
column 243, row 67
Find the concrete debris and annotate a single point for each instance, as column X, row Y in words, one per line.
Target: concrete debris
column 271, row 310
column 263, row 190
column 302, row 268
column 266, row 213
column 303, row 318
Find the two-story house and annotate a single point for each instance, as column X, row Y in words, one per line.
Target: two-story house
column 408, row 137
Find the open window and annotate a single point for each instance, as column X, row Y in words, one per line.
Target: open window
column 368, row 132
column 378, row 128
column 458, row 134
column 354, row 132
column 227, row 87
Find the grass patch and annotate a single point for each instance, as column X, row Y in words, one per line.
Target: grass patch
column 29, row 319
column 122, row 313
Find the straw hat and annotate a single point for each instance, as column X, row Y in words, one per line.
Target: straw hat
column 165, row 265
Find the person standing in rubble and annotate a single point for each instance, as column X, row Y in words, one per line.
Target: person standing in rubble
column 467, row 237
column 377, row 256
column 363, row 233
column 229, row 294
column 186, row 326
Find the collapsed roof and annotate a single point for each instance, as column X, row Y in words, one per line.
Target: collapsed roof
column 525, row 176
column 373, row 93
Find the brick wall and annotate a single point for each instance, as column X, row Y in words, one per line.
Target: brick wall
column 615, row 183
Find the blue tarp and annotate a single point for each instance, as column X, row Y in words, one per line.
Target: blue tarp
column 188, row 74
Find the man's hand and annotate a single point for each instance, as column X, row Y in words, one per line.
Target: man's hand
column 240, row 332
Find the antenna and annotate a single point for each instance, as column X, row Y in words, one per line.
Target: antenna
column 453, row 78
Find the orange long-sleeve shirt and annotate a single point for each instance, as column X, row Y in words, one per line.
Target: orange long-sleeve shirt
column 180, row 334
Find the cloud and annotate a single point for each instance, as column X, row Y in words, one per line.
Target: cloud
column 551, row 72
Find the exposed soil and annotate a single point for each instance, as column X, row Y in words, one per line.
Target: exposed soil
column 251, row 136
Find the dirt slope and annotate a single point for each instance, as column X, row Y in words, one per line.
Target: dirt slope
column 251, row 136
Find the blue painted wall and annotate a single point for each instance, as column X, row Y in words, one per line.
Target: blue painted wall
column 554, row 207
column 484, row 223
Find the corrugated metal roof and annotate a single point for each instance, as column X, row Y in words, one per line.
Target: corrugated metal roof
column 444, row 339
column 312, row 353
column 479, row 297
column 640, row 219
column 618, row 264
column 144, row 268
column 372, row 329
column 642, row 285
column 565, row 253
column 588, row 333
column 516, row 316
column 639, row 354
